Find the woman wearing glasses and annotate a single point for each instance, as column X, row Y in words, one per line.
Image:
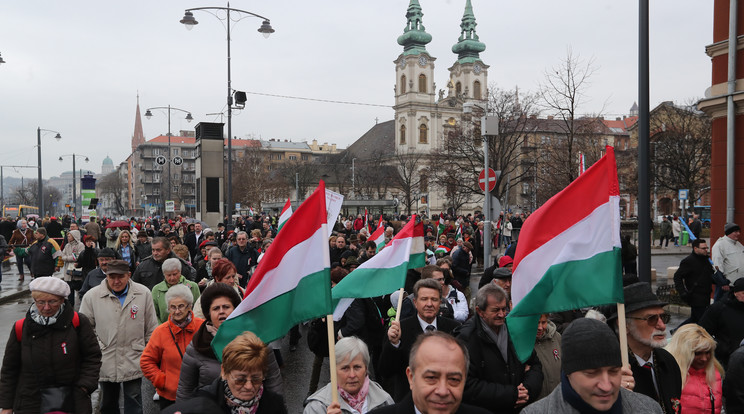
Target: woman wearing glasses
column 693, row 349
column 162, row 357
column 52, row 357
column 240, row 386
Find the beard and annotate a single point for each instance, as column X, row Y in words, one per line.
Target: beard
column 633, row 331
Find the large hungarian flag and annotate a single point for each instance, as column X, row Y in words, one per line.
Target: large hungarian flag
column 285, row 214
column 386, row 271
column 568, row 255
column 291, row 284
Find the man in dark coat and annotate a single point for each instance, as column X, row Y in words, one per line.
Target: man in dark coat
column 724, row 320
column 497, row 379
column 402, row 334
column 693, row 280
column 149, row 272
column 436, row 376
column 339, row 249
column 653, row 367
column 461, row 266
column 243, row 256
column 193, row 240
column 733, row 382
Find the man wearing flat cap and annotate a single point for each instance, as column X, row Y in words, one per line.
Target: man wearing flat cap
column 123, row 314
column 728, row 254
column 591, row 375
column 655, row 371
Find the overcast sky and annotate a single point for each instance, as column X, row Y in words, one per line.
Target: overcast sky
column 76, row 67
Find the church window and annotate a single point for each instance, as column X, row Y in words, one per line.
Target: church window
column 423, row 134
column 476, row 90
column 422, row 83
column 458, row 89
column 402, row 135
column 403, row 84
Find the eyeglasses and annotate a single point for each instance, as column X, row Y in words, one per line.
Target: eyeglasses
column 240, row 381
column 178, row 307
column 51, row 303
column 652, row 320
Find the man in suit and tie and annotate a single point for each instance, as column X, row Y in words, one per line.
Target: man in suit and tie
column 427, row 297
column 436, row 375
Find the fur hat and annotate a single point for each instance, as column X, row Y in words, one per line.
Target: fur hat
column 51, row 285
column 588, row 344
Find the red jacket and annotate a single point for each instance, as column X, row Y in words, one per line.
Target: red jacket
column 161, row 361
column 695, row 397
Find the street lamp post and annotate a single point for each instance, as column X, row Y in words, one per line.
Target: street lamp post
column 189, row 118
column 189, row 21
column 74, row 181
column 353, row 176
column 41, row 183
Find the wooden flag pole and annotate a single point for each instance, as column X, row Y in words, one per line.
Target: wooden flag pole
column 621, row 330
column 332, row 358
column 400, row 304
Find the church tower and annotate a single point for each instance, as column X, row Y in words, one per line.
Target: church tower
column 414, row 86
column 469, row 75
column 138, row 138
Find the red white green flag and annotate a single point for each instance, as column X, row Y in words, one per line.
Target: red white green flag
column 379, row 238
column 291, row 284
column 568, row 255
column 285, row 214
column 386, row 271
column 440, row 228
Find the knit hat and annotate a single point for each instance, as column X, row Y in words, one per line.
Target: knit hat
column 589, row 344
column 505, row 260
column 108, row 252
column 118, row 267
column 51, row 285
column 730, row 228
column 738, row 285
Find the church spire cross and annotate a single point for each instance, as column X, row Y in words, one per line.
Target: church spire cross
column 414, row 37
column 468, row 46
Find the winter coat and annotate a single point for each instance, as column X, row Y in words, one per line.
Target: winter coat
column 696, row 394
column 122, row 331
column 724, row 320
column 88, row 260
column 47, row 356
column 21, row 238
column 92, row 279
column 548, row 350
column 143, row 250
column 242, row 259
column 200, row 367
column 321, row 399
column 676, row 227
column 94, row 230
column 46, row 257
column 492, row 382
column 70, row 254
column 150, row 272
column 666, row 229
column 163, row 355
column 667, row 376
column 158, row 297
column 133, row 258
column 733, row 382
column 213, row 395
column 693, row 280
column 728, row 257
column 632, row 403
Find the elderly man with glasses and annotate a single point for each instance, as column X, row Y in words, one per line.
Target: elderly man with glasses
column 243, row 256
column 655, row 371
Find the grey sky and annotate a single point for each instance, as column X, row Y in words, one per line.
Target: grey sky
column 75, row 67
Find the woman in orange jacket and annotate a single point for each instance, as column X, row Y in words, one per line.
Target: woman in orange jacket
column 161, row 359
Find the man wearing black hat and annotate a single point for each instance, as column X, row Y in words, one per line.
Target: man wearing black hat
column 591, row 375
column 98, row 275
column 728, row 254
column 655, row 371
column 724, row 320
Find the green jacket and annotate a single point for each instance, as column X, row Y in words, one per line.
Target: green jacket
column 158, row 296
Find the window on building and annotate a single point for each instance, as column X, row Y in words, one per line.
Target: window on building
column 156, row 177
column 423, row 134
column 305, row 157
column 402, row 135
column 156, row 151
column 525, row 188
column 422, row 83
column 476, row 90
column 175, row 189
column 175, row 176
column 458, row 89
column 293, row 158
column 403, row 84
column 175, row 151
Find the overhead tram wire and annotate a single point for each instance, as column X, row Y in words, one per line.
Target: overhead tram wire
column 318, row 100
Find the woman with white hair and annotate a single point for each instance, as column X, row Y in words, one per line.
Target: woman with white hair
column 162, row 357
column 358, row 394
column 171, row 277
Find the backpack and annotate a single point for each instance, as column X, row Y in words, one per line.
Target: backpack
column 19, row 325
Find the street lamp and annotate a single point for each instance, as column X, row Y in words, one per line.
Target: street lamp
column 189, row 21
column 169, row 160
column 74, row 181
column 353, row 185
column 41, row 183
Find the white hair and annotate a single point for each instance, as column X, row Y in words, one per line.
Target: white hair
column 350, row 347
column 179, row 291
column 171, row 264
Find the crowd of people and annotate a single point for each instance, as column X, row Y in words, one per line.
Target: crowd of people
column 152, row 294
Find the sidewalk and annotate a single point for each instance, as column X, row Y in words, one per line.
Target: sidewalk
column 10, row 288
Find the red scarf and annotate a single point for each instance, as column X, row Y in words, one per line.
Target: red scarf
column 356, row 401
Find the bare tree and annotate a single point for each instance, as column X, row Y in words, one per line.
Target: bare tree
column 250, row 177
column 410, row 167
column 114, row 186
column 374, row 176
column 682, row 148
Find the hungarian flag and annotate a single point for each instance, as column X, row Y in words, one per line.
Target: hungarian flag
column 440, row 227
column 378, row 237
column 442, row 249
column 385, row 272
column 458, row 236
column 568, row 256
column 291, row 284
column 285, row 214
